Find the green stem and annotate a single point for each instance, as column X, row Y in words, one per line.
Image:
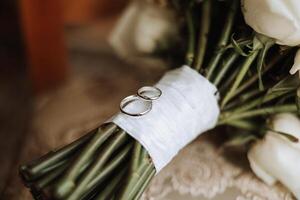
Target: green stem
column 108, row 169
column 225, row 67
column 238, row 45
column 42, row 183
column 133, row 177
column 254, row 78
column 137, row 163
column 137, row 150
column 224, row 87
column 136, row 188
column 244, row 69
column 241, row 124
column 146, row 183
column 136, row 181
column 203, row 33
column 68, row 181
column 28, row 177
column 243, row 98
column 42, row 165
column 259, row 101
column 109, row 190
column 229, row 117
column 144, row 155
column 191, row 37
column 226, row 32
column 120, row 138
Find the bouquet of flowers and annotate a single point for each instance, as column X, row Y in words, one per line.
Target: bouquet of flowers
column 233, row 76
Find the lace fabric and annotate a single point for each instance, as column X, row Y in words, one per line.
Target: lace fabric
column 201, row 170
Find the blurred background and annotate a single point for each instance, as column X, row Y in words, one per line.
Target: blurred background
column 58, row 78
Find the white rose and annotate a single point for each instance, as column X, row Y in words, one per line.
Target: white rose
column 276, row 158
column 277, row 19
column 296, row 66
column 143, row 28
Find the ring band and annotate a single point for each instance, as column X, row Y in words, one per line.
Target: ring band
column 132, row 98
column 149, row 93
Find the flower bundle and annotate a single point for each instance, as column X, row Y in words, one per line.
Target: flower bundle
column 276, row 157
column 250, row 72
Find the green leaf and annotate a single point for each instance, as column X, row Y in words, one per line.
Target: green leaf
column 267, row 44
column 242, row 43
column 239, row 45
column 288, row 84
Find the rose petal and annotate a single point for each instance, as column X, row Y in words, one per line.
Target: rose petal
column 296, row 66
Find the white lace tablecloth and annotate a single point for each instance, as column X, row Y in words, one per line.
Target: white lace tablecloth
column 202, row 171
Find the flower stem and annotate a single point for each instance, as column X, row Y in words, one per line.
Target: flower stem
column 137, row 179
column 228, row 117
column 225, row 67
column 136, row 155
column 144, row 155
column 68, row 181
column 243, row 98
column 224, row 87
column 40, row 186
column 42, row 183
column 109, row 190
column 41, row 166
column 28, row 177
column 223, row 39
column 241, row 124
column 255, row 77
column 189, row 58
column 244, row 68
column 109, row 168
column 259, row 101
column 135, row 176
column 146, row 183
column 138, row 185
column 203, row 33
column 120, row 138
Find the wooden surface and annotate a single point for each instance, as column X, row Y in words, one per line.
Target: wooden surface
column 42, row 26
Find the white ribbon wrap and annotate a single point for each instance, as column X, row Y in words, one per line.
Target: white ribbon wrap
column 187, row 107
